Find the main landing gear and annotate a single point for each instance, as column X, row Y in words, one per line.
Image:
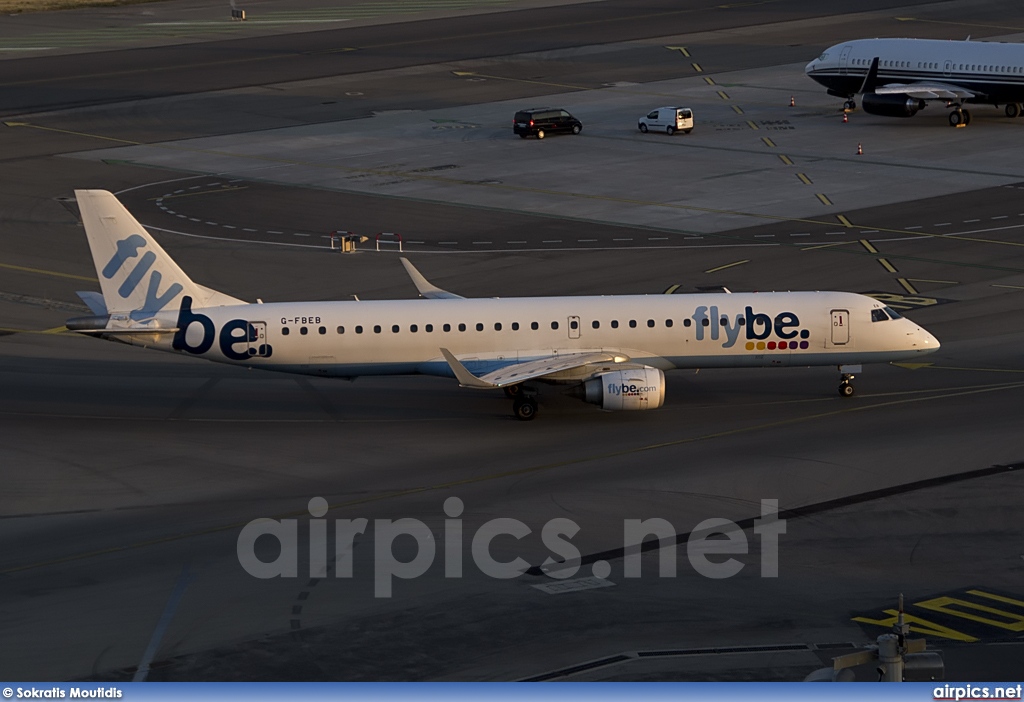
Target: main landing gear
column 524, row 406
column 1013, row 110
column 850, row 105
column 959, row 117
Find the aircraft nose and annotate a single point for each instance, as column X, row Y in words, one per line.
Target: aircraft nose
column 928, row 341
column 811, row 66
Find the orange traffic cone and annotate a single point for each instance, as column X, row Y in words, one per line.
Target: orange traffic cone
column 846, row 118
column 792, row 101
column 860, row 151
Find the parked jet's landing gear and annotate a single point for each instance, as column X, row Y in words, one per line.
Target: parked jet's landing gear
column 959, row 117
column 850, row 105
column 524, row 408
column 846, row 385
column 513, row 391
column 1013, row 110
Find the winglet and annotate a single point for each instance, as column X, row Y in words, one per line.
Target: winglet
column 871, row 79
column 465, row 378
column 423, row 285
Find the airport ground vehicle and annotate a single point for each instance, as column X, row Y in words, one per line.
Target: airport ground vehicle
column 541, row 121
column 667, row 119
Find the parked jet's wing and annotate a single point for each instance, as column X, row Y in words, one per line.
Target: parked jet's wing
column 424, row 287
column 528, row 370
column 926, row 91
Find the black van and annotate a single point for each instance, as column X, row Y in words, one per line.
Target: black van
column 544, row 120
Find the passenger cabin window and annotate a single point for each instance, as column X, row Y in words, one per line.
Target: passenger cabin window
column 668, row 322
column 687, row 322
column 632, row 324
column 428, row 328
column 574, row 324
column 447, row 327
column 515, row 326
column 322, row 330
column 615, row 324
column 359, row 330
column 285, row 331
column 595, row 324
column 413, row 328
column 554, row 325
column 341, row 330
column 479, row 326
column 303, row 331
column 497, row 326
column 534, row 326
column 462, row 327
column 376, row 329
column 650, row 323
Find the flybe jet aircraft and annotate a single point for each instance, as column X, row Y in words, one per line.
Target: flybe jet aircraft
column 612, row 350
column 896, row 77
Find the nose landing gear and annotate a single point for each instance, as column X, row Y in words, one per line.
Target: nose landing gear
column 846, row 375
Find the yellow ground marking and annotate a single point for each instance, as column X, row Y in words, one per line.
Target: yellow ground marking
column 929, row 280
column 680, row 49
column 737, row 109
column 825, row 246
column 944, row 605
column 845, row 222
column 696, row 67
column 722, row 94
column 200, row 192
column 56, row 330
column 785, row 159
column 804, row 179
column 709, row 80
column 728, row 265
column 1011, row 287
column 73, row 133
column 997, row 598
column 42, row 271
column 918, row 626
column 907, row 286
column 912, row 366
column 823, row 198
column 752, row 125
column 867, row 245
column 887, row 266
column 768, row 142
column 544, row 467
column 671, row 289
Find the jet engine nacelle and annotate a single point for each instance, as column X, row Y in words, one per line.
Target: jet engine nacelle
column 891, row 105
column 640, row 389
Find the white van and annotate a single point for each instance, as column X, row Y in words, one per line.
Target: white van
column 668, row 119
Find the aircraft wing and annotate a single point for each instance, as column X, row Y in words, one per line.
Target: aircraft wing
column 424, row 287
column 926, row 91
column 528, row 370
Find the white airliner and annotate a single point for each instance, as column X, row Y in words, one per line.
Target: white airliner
column 897, row 77
column 613, row 350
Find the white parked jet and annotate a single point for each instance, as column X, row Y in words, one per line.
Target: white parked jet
column 613, row 349
column 896, row 77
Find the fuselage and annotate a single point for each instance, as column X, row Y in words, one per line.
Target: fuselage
column 992, row 70
column 348, row 339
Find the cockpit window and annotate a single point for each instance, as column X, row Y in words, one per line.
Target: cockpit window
column 892, row 313
column 823, row 56
column 878, row 315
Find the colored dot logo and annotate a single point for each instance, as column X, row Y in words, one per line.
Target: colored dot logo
column 780, row 345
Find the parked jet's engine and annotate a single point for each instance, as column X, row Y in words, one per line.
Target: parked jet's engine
column 891, row 105
column 640, row 389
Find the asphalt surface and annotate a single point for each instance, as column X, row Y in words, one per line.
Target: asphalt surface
column 129, row 474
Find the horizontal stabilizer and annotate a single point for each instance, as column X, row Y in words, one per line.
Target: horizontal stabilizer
column 94, row 301
column 431, row 292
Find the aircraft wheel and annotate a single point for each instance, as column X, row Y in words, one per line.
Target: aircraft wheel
column 524, row 408
column 513, row 391
column 1013, row 110
column 540, row 133
column 846, row 390
column 849, row 105
column 643, row 128
column 967, row 118
column 669, row 130
column 956, row 117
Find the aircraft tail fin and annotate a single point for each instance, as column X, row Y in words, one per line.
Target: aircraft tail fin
column 136, row 275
